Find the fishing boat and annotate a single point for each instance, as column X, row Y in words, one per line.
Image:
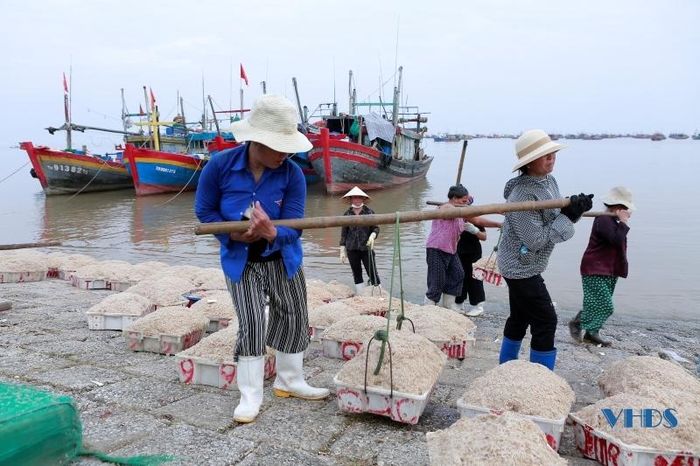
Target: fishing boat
column 76, row 171
column 658, row 137
column 171, row 161
column 70, row 171
column 370, row 151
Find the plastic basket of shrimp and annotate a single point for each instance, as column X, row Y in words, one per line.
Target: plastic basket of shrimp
column 486, row 270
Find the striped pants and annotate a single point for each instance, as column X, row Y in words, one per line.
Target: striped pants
column 287, row 329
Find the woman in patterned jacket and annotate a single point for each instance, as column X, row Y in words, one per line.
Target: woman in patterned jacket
column 527, row 242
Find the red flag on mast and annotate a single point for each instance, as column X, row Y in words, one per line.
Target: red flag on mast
column 153, row 99
column 140, row 110
column 244, row 77
column 65, row 84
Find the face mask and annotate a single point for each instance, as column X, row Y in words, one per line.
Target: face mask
column 358, row 206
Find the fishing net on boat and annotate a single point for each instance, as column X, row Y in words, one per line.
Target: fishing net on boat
column 39, row 427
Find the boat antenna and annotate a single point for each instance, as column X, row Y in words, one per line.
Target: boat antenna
column 124, row 112
column 182, row 112
column 148, row 114
column 335, row 100
column 216, row 122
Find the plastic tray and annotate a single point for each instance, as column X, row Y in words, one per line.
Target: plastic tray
column 52, row 272
column 315, row 333
column 345, row 350
column 202, row 371
column 607, row 450
column 89, row 283
column 120, row 286
column 21, row 277
column 163, row 344
column 456, row 350
column 217, row 324
column 402, row 407
column 114, row 321
column 552, row 428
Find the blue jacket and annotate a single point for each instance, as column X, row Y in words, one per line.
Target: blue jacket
column 226, row 188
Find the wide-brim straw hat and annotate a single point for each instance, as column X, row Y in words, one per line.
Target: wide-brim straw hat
column 356, row 192
column 273, row 123
column 533, row 144
column 619, row 195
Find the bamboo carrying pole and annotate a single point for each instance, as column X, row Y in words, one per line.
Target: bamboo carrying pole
column 310, row 223
column 44, row 244
column 461, row 161
column 585, row 214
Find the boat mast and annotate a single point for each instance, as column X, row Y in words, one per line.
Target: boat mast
column 148, row 114
column 296, row 92
column 124, row 117
column 213, row 112
column 351, row 95
column 66, row 110
column 182, row 112
column 397, row 97
column 204, row 107
column 264, row 87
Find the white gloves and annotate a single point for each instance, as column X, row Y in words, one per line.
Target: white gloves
column 343, row 255
column 370, row 240
column 470, row 228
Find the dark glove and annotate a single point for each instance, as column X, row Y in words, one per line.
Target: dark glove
column 579, row 204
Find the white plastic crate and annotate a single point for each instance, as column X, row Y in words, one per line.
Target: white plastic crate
column 607, row 450
column 114, row 321
column 163, row 344
column 89, row 283
column 21, row 277
column 401, row 407
column 456, row 349
column 315, row 333
column 345, row 350
column 202, row 371
column 552, row 428
column 217, row 324
column 66, row 274
column 120, row 286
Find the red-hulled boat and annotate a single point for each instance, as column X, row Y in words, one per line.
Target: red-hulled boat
column 370, row 151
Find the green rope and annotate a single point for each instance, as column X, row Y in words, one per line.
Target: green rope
column 384, row 336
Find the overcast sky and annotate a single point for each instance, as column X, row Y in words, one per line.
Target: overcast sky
column 477, row 66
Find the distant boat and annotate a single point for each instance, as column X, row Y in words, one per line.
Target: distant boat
column 678, row 136
column 370, row 151
column 73, row 171
column 657, row 137
column 696, row 136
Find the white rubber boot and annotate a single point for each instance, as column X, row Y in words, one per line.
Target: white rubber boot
column 250, row 376
column 290, row 379
column 448, row 301
column 358, row 288
column 475, row 310
column 429, row 302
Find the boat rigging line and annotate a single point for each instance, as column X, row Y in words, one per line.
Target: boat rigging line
column 14, row 172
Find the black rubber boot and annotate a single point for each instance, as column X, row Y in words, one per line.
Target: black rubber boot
column 596, row 339
column 575, row 327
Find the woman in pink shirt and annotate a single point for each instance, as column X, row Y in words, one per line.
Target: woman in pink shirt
column 445, row 273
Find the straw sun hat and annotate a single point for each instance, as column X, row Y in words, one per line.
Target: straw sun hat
column 356, row 192
column 272, row 122
column 533, row 144
column 619, row 195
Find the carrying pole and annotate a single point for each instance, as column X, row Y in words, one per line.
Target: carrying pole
column 385, row 219
column 461, row 161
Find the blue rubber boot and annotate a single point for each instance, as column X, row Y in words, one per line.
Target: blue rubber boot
column 546, row 358
column 509, row 350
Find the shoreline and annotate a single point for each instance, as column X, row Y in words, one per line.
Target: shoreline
column 133, row 403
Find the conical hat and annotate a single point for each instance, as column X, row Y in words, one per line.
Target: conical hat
column 356, row 192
